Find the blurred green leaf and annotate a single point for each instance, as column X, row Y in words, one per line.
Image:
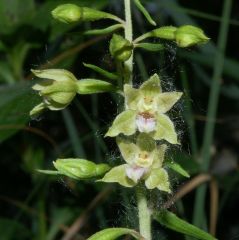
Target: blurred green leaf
column 171, row 221
column 16, row 102
column 14, row 13
column 6, row 226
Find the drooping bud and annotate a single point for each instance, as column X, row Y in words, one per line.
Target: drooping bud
column 120, row 48
column 70, row 13
column 188, row 35
column 58, row 89
column 80, row 169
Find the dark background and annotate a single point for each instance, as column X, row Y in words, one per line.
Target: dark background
column 35, row 206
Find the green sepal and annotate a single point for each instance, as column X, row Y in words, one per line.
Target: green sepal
column 158, row 178
column 103, row 31
column 71, row 13
column 152, row 85
column 118, row 175
column 80, row 169
column 144, row 12
column 152, row 47
column 101, row 71
column 167, row 100
column 145, row 142
column 38, row 109
column 114, row 233
column 177, row 168
column 128, row 149
column 165, row 129
column 171, row 221
column 120, row 48
column 188, row 35
column 90, row 86
column 60, row 75
column 123, row 123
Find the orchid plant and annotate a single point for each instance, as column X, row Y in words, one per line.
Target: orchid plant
column 143, row 130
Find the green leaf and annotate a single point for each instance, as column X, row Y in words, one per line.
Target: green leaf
column 90, row 86
column 144, row 12
column 177, row 168
column 16, row 103
column 152, row 47
column 101, row 71
column 103, row 31
column 171, row 221
column 114, row 233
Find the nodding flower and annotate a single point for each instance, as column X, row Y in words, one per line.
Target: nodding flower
column 145, row 111
column 57, row 89
column 144, row 162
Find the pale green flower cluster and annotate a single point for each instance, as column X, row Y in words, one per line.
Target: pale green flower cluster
column 144, row 117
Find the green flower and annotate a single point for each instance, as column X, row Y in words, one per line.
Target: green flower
column 57, row 90
column 144, row 161
column 145, row 112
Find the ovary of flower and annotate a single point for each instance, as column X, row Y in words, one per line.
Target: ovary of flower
column 135, row 172
column 145, row 122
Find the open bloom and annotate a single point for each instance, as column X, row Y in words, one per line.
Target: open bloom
column 145, row 112
column 144, row 161
column 57, row 89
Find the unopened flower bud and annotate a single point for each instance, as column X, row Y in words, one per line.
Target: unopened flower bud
column 70, row 13
column 58, row 89
column 80, row 169
column 120, row 48
column 188, row 35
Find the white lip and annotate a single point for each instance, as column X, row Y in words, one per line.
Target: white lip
column 135, row 173
column 145, row 124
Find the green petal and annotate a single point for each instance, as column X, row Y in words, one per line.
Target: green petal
column 151, row 86
column 132, row 96
column 159, row 156
column 38, row 109
column 55, row 74
column 62, row 97
column 128, row 150
column 165, row 129
column 158, row 178
column 118, row 175
column 60, row 87
column 167, row 100
column 124, row 123
column 41, row 85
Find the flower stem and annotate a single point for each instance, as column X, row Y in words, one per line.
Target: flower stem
column 144, row 213
column 129, row 36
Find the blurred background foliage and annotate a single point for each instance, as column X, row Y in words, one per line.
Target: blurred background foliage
column 35, row 206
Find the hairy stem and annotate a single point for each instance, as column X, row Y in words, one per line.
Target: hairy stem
column 129, row 36
column 143, row 213
column 143, row 210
